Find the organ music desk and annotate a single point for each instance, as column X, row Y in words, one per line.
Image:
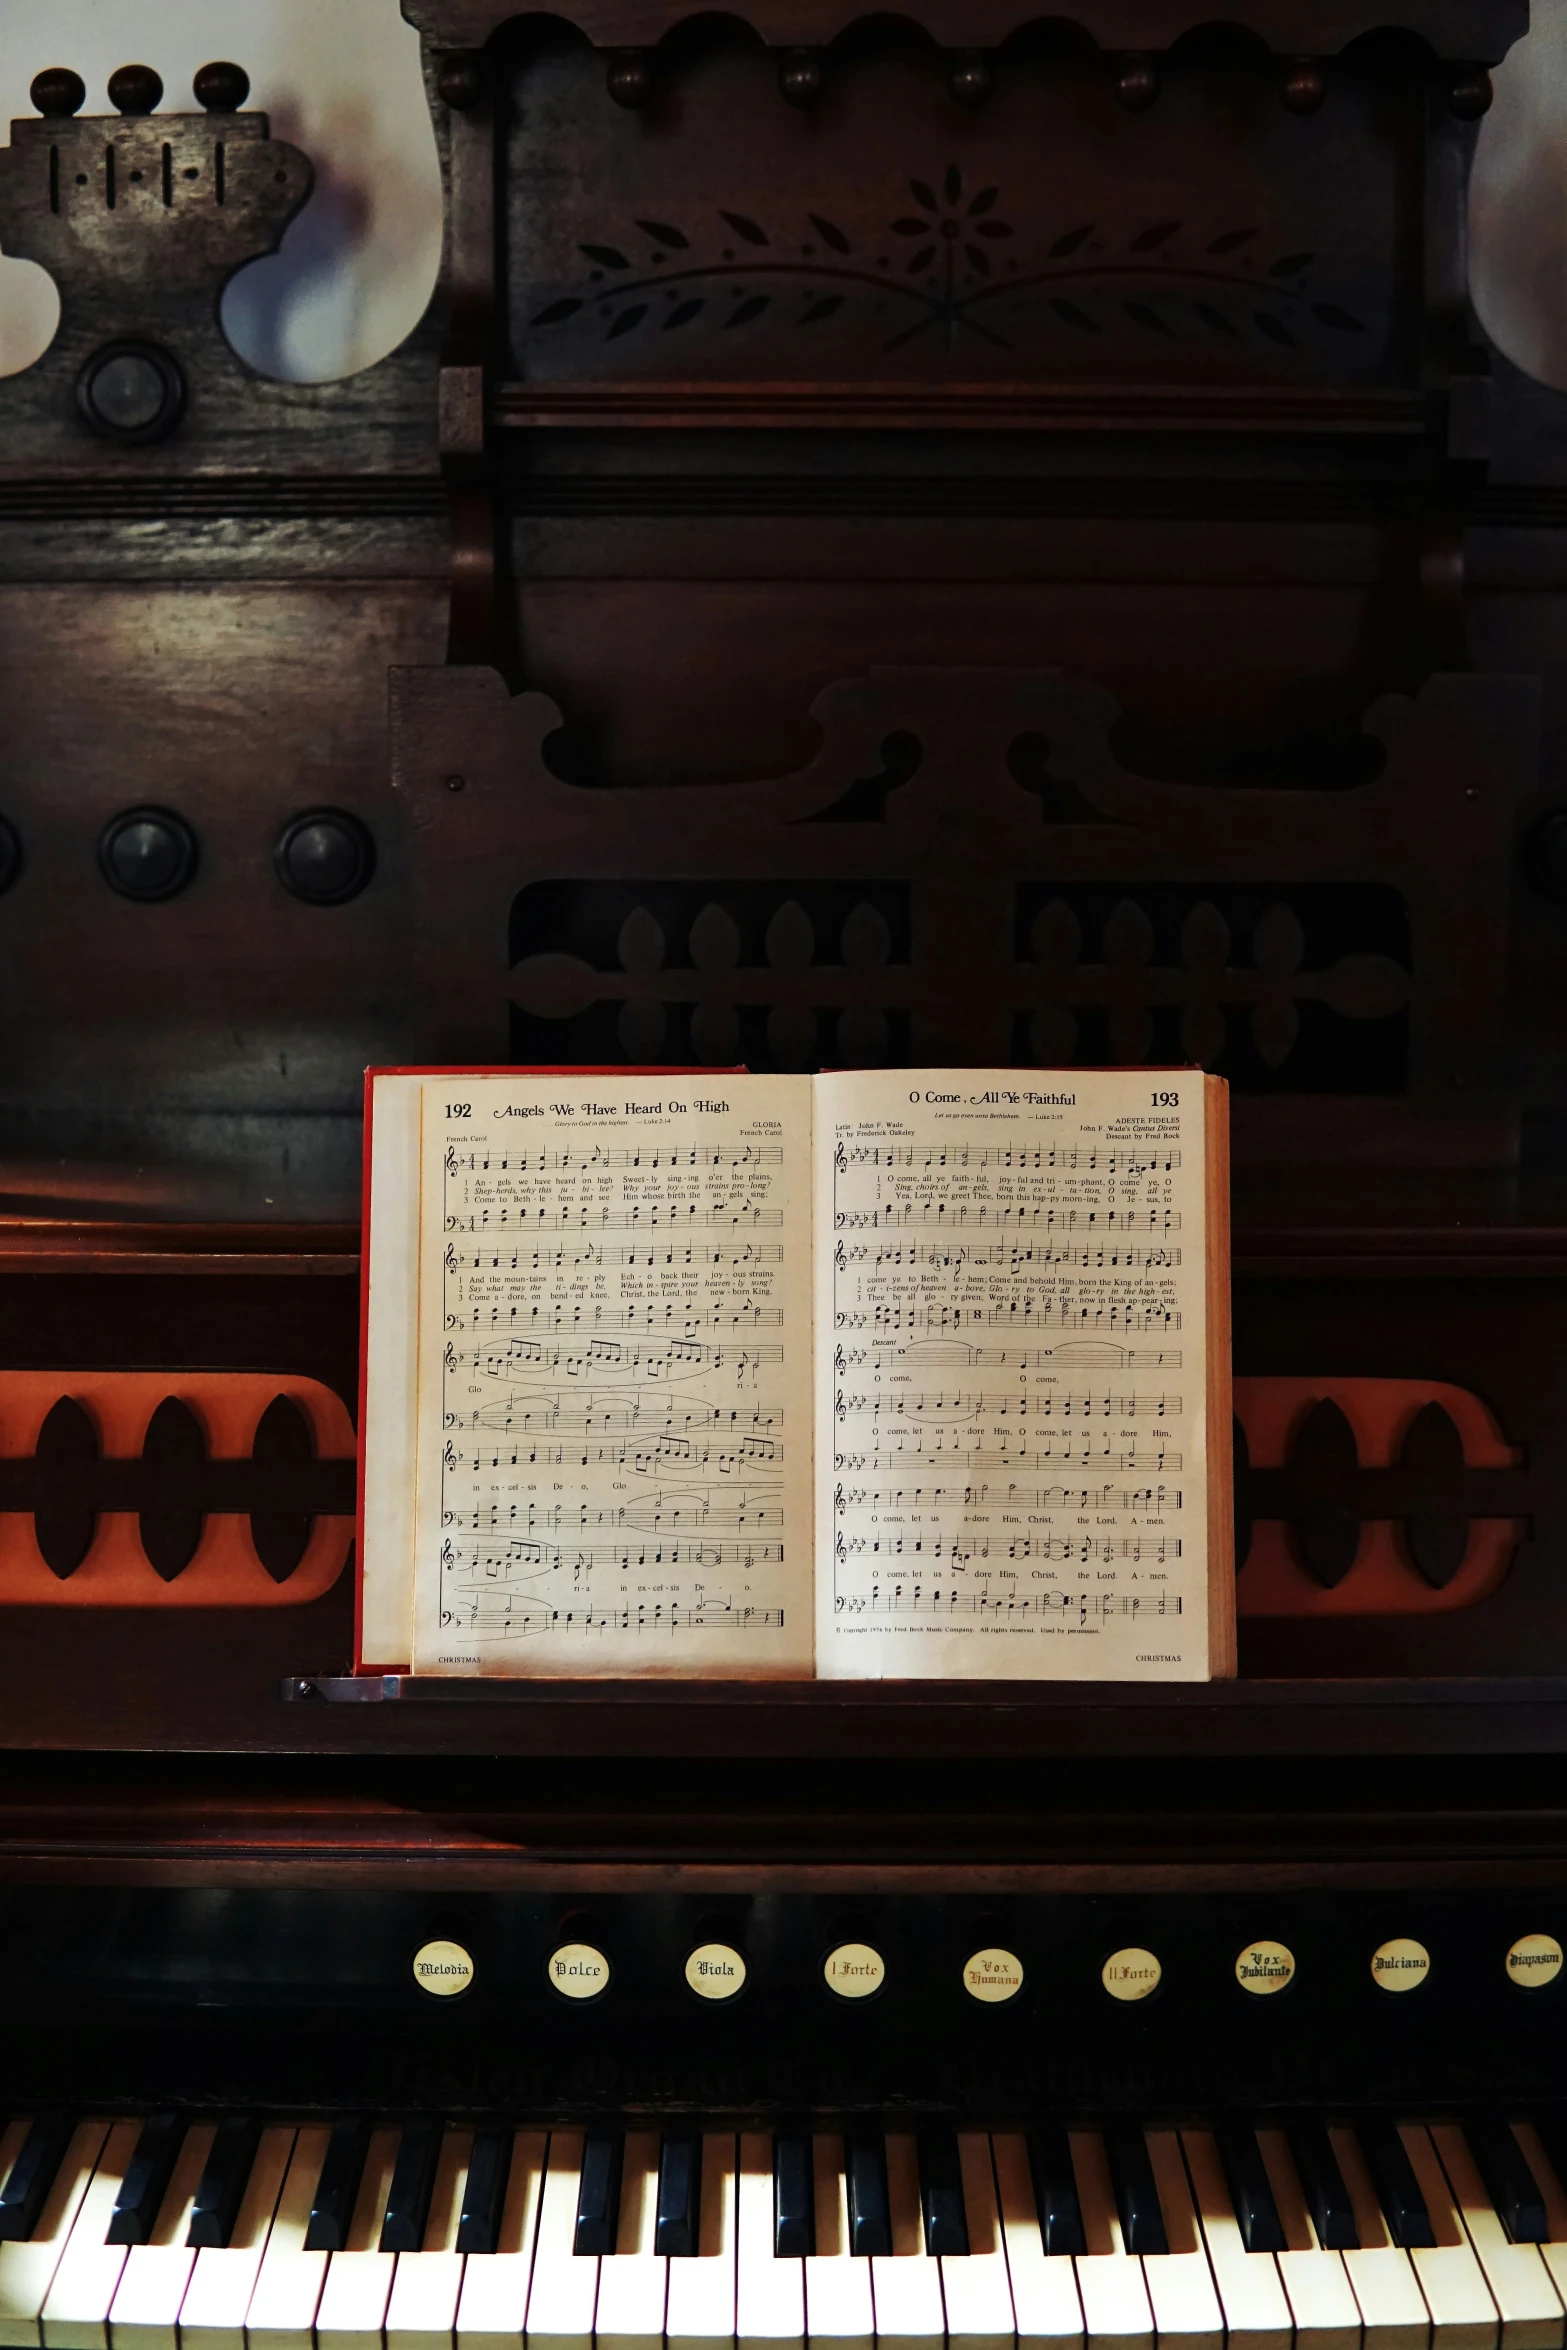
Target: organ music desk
column 947, row 536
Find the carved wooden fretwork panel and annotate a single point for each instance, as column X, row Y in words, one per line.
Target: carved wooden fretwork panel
column 915, row 895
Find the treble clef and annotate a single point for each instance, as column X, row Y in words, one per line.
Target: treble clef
column 837, row 1360
column 840, row 1256
column 451, row 1159
column 450, row 1258
column 840, row 1157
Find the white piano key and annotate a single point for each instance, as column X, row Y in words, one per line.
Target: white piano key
column 906, row 2298
column 633, row 2284
column 1384, row 2284
column 1554, row 2250
column 1046, row 2309
column 146, row 2306
column 1180, row 2282
column 282, row 2311
column 1256, row 2312
column 492, row 2311
column 27, row 2271
column 1322, row 2302
column 359, row 2278
column 1117, row 2314
column 564, row 2290
column 769, row 2293
column 212, row 2316
column 422, row 2311
column 1520, row 2284
column 76, row 2314
column 837, row 2287
column 701, row 2305
column 1463, row 2314
column 976, row 2291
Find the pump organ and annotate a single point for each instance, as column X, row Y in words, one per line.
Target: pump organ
column 946, row 537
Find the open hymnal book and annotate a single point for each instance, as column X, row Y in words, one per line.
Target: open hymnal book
column 892, row 1374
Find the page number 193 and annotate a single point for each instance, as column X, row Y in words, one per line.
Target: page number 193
column 1166, row 1101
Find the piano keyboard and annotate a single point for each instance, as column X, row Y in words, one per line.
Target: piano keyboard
column 159, row 2233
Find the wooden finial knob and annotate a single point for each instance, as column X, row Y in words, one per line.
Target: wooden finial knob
column 57, row 90
column 630, row 77
column 800, row 77
column 1303, row 88
column 221, row 88
column 459, row 80
column 1470, row 93
column 970, row 80
column 1137, row 84
column 135, row 89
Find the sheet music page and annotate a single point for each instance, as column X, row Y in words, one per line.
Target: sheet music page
column 1011, row 1359
column 615, row 1376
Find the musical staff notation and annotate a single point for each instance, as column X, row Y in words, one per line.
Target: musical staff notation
column 935, row 1354
column 513, row 1617
column 956, row 1256
column 517, row 1559
column 666, row 1255
column 1065, row 1161
column 1153, row 1499
column 651, row 1514
column 1077, row 1452
column 1040, row 1404
column 963, row 1549
column 591, row 1160
column 658, row 1456
column 656, row 1216
column 1017, row 1216
column 934, row 1604
column 676, row 1314
column 608, row 1358
column 567, row 1411
column 1019, row 1313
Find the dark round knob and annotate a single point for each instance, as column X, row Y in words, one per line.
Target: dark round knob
column 147, row 854
column 220, row 87
column 131, row 392
column 10, row 855
column 800, row 77
column 970, row 80
column 1303, row 88
column 1137, row 84
column 629, row 77
column 325, row 857
column 57, row 90
column 459, row 79
column 135, row 89
column 1470, row 93
column 1545, row 856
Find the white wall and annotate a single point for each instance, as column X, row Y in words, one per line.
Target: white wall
column 341, row 78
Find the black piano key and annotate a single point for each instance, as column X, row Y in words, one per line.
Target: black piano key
column 1322, row 2184
column 1508, row 2180
column 598, row 2194
column 337, row 2189
column 870, row 2207
column 1551, row 2130
column 794, row 2197
column 413, row 2183
column 223, row 2182
column 941, row 2194
column 26, row 2190
column 1398, row 2190
column 1251, row 2192
column 484, row 2193
column 676, row 2229
column 1136, row 2195
column 1055, row 2191
column 146, row 2179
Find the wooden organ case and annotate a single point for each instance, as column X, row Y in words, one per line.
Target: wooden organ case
column 935, row 537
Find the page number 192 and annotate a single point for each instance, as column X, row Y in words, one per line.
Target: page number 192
column 1166, row 1101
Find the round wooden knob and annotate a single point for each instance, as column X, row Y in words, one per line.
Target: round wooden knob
column 800, row 77
column 970, row 80
column 459, row 81
column 629, row 77
column 1303, row 88
column 324, row 857
column 57, row 90
column 1137, row 84
column 135, row 89
column 131, row 391
column 221, row 88
column 147, row 854
column 1470, row 94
